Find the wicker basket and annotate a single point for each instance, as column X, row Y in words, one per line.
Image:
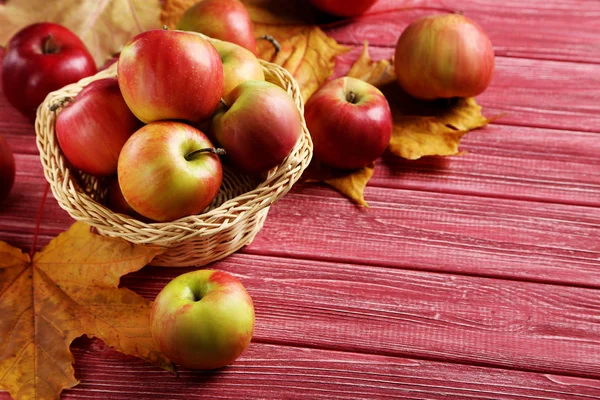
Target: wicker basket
column 233, row 219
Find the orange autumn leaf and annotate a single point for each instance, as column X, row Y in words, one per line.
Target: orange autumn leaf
column 349, row 183
column 69, row 289
column 306, row 51
column 104, row 26
column 421, row 128
column 377, row 73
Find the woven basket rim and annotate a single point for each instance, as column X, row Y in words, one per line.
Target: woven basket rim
column 82, row 206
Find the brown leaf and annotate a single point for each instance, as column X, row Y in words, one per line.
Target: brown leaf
column 69, row 289
column 306, row 51
column 103, row 25
column 349, row 183
column 377, row 73
column 421, row 128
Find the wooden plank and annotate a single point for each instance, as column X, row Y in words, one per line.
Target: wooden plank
column 403, row 228
column 527, row 92
column 367, row 309
column 506, row 162
column 271, row 371
column 552, row 30
column 441, row 232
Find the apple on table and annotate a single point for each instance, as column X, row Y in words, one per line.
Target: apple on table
column 39, row 59
column 203, row 319
column 343, row 8
column 350, row 123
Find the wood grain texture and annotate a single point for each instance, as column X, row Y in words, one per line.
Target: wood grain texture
column 559, row 30
column 271, row 371
column 368, row 309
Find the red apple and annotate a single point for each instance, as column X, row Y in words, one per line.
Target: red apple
column 94, row 126
column 444, row 56
column 203, row 319
column 239, row 65
column 220, row 19
column 343, row 8
column 170, row 75
column 259, row 127
column 350, row 123
column 7, row 169
column 168, row 170
column 41, row 58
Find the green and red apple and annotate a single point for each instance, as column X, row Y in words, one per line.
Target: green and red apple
column 203, row 319
column 239, row 65
column 350, row 123
column 170, row 75
column 168, row 170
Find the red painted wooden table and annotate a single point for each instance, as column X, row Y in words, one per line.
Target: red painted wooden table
column 468, row 277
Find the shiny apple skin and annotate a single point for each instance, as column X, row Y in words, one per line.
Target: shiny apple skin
column 157, row 180
column 348, row 134
column 7, row 169
column 170, row 75
column 29, row 74
column 344, row 8
column 259, row 128
column 239, row 65
column 226, row 20
column 94, row 126
column 203, row 319
column 444, row 56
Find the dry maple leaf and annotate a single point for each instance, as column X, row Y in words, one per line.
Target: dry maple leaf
column 105, row 26
column 306, row 51
column 67, row 290
column 377, row 73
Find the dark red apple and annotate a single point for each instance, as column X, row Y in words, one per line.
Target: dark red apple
column 39, row 59
column 343, row 8
column 350, row 123
column 7, row 169
column 226, row 20
column 94, row 126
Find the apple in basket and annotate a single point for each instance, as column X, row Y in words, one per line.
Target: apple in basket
column 239, row 65
column 226, row 20
column 258, row 126
column 41, row 58
column 350, row 123
column 203, row 319
column 166, row 75
column 94, row 126
column 168, row 170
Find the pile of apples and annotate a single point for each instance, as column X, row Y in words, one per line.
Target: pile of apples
column 143, row 126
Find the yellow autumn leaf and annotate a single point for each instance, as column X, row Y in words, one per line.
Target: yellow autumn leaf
column 350, row 183
column 69, row 289
column 105, row 26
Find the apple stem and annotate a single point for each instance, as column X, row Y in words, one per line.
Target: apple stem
column 273, row 41
column 50, row 46
column 165, row 28
column 59, row 103
column 212, row 150
column 223, row 103
column 351, row 97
